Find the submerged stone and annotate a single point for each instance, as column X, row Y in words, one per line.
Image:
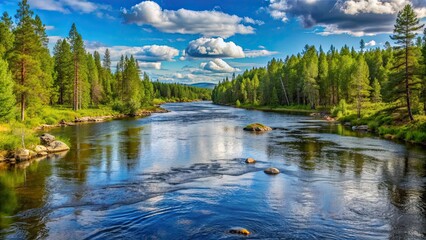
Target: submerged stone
column 272, row 171
column 239, row 230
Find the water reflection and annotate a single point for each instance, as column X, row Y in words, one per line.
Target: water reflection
column 144, row 177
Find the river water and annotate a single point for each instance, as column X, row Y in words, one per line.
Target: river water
column 181, row 175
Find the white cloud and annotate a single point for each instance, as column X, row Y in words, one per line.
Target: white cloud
column 66, row 6
column 277, row 9
column 49, row 27
column 218, row 65
column 54, row 39
column 153, row 65
column 353, row 7
column 213, row 48
column 188, row 76
column 259, row 53
column 151, row 53
column 207, row 23
column 371, row 43
column 353, row 17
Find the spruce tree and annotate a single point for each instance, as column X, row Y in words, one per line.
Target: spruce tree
column 64, row 71
column 79, row 57
column 25, row 61
column 405, row 81
column 359, row 84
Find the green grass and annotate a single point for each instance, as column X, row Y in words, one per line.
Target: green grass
column 389, row 121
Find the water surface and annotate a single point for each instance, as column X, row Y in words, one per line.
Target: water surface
column 181, row 175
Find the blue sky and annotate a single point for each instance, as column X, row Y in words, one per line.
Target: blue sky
column 204, row 41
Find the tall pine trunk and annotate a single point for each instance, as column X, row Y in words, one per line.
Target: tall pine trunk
column 407, row 89
column 75, row 84
column 23, row 94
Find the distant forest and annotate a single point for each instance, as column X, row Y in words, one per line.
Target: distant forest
column 31, row 78
column 318, row 78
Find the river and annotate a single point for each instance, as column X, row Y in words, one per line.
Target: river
column 181, row 175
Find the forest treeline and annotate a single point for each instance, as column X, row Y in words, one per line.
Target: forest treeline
column 327, row 78
column 30, row 77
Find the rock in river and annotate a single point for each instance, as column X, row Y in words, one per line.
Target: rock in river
column 272, row 171
column 257, row 127
column 46, row 139
column 57, row 146
column 22, row 154
column 40, row 150
column 250, row 160
column 239, row 230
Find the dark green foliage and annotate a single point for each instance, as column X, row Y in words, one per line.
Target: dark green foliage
column 404, row 79
column 7, row 99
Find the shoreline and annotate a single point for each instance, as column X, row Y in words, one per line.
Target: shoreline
column 324, row 115
column 10, row 158
column 100, row 119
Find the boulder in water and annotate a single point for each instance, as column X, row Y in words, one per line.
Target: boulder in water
column 257, row 127
column 250, row 160
column 57, row 146
column 22, row 154
column 46, row 139
column 40, row 150
column 239, row 230
column 272, row 171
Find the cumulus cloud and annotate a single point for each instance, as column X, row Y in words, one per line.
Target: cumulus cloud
column 371, row 43
column 66, row 6
column 353, row 17
column 149, row 57
column 259, row 53
column 151, row 53
column 206, row 23
column 354, row 7
column 153, row 65
column 218, row 65
column 213, row 48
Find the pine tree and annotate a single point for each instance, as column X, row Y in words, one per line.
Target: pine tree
column 376, row 95
column 362, row 45
column 25, row 64
column 324, row 84
column 6, row 35
column 64, row 71
column 310, row 74
column 47, row 64
column 7, row 99
column 79, row 56
column 405, row 29
column 359, row 85
column 93, row 77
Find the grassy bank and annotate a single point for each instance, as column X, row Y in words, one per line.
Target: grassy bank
column 15, row 134
column 387, row 120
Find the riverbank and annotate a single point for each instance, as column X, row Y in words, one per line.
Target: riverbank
column 15, row 136
column 385, row 120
